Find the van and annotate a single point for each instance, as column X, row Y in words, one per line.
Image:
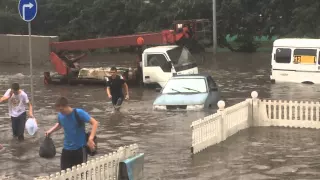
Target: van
column 295, row 60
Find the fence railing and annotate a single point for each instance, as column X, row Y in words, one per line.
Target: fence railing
column 289, row 114
column 252, row 112
column 102, row 168
column 219, row 126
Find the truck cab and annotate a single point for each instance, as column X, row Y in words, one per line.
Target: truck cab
column 159, row 63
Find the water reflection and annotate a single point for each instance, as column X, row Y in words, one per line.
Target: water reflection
column 295, row 91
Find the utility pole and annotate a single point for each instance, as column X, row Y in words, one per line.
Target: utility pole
column 214, row 27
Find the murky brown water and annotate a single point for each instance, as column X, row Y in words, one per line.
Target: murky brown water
column 165, row 138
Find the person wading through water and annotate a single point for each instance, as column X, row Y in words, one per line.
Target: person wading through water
column 17, row 102
column 74, row 146
column 114, row 86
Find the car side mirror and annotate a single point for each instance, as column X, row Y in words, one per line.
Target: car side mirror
column 158, row 89
column 214, row 89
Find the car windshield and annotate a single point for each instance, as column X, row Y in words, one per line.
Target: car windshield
column 187, row 85
column 180, row 56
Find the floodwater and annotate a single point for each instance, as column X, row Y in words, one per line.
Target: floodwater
column 165, row 138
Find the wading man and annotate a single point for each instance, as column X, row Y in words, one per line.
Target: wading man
column 74, row 146
column 17, row 102
column 114, row 87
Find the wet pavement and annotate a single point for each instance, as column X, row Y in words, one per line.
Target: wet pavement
column 165, row 138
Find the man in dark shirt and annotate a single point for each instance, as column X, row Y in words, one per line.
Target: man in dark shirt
column 114, row 85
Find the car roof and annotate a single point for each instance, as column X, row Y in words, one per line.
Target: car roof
column 201, row 75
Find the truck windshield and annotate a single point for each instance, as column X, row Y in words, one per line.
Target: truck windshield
column 180, row 56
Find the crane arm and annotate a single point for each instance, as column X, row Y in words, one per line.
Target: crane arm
column 164, row 37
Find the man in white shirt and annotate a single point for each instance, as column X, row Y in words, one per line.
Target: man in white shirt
column 17, row 102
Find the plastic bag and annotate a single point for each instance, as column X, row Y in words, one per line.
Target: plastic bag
column 31, row 126
column 47, row 148
column 89, row 151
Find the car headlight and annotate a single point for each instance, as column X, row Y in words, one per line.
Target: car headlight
column 159, row 107
column 195, row 107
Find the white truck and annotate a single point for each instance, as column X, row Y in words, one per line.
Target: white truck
column 157, row 66
column 159, row 63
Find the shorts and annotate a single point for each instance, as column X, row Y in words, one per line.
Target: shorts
column 18, row 125
column 117, row 100
column 71, row 158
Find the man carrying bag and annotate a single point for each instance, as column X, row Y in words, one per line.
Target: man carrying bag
column 81, row 124
column 74, row 150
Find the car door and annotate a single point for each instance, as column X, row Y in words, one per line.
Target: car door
column 214, row 93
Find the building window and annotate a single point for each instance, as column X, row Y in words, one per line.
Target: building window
column 283, row 55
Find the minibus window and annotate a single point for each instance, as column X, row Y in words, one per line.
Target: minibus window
column 283, row 55
column 304, row 56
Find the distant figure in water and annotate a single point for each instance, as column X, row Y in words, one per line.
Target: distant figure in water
column 114, row 88
column 1, row 147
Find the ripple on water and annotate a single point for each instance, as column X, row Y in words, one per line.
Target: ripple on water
column 254, row 176
column 313, row 172
column 260, row 167
column 286, row 169
column 278, row 160
column 96, row 110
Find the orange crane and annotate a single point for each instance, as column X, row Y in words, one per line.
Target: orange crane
column 186, row 33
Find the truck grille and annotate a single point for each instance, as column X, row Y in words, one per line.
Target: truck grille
column 174, row 107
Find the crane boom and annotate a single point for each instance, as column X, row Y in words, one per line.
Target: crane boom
column 184, row 33
column 160, row 38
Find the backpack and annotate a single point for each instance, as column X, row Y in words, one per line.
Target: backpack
column 81, row 124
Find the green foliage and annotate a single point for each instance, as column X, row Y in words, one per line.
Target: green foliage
column 83, row 19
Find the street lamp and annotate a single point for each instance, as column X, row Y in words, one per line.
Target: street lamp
column 214, row 27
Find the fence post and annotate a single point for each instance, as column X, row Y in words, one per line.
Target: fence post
column 254, row 109
column 221, row 105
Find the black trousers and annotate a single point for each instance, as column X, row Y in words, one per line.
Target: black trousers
column 117, row 100
column 18, row 125
column 71, row 158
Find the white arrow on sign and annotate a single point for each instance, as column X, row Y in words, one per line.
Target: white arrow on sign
column 30, row 5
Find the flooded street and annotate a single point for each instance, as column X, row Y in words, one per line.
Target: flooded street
column 165, row 137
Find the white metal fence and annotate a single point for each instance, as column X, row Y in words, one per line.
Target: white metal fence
column 102, row 168
column 219, row 126
column 288, row 114
column 252, row 112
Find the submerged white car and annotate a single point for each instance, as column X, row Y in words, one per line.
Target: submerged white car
column 188, row 92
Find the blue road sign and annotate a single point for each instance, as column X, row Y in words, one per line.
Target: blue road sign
column 28, row 9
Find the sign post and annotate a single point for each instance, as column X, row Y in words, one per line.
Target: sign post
column 28, row 11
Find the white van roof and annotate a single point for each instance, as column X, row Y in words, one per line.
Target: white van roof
column 160, row 49
column 297, row 43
